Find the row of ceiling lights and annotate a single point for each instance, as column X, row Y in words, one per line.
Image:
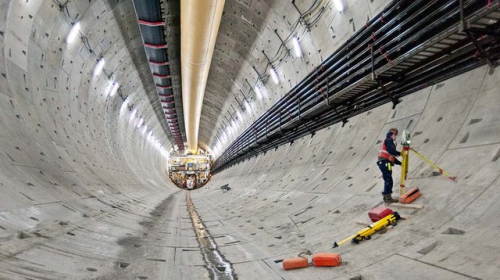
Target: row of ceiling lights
column 231, row 131
column 112, row 88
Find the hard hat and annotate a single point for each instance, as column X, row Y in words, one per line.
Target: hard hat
column 394, row 131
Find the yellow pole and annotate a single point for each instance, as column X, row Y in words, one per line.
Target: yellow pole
column 453, row 178
column 366, row 232
column 335, row 245
column 404, row 169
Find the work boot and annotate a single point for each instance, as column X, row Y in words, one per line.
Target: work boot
column 388, row 199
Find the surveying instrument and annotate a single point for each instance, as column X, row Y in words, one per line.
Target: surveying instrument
column 367, row 232
column 406, row 142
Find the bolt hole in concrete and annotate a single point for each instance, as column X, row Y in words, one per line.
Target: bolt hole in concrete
column 453, row 231
column 473, row 121
column 427, row 249
column 123, row 264
column 22, row 235
column 496, row 156
column 465, row 138
column 435, row 173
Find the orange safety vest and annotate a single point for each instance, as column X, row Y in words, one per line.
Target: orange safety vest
column 383, row 153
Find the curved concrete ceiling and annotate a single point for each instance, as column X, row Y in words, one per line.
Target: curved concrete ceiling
column 85, row 194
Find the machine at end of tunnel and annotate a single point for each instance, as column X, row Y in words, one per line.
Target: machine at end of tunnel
column 189, row 171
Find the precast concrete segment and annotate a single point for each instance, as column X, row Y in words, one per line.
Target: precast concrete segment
column 216, row 264
column 200, row 20
column 164, row 249
column 312, row 192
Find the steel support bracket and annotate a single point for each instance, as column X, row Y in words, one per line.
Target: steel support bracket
column 395, row 101
column 374, row 76
column 328, row 91
column 342, row 118
column 309, row 129
column 302, row 20
column 484, row 31
column 267, row 128
column 281, row 129
column 480, row 48
column 298, row 104
column 461, row 24
column 282, row 42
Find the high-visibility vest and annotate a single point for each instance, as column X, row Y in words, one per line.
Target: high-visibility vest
column 383, row 153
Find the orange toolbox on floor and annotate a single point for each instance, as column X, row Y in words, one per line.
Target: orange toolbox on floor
column 326, row 259
column 410, row 195
column 293, row 263
column 378, row 213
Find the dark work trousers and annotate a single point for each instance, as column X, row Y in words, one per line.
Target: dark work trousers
column 386, row 168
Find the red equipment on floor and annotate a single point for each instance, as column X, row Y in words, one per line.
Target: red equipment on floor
column 326, row 259
column 378, row 213
column 294, row 263
column 410, row 195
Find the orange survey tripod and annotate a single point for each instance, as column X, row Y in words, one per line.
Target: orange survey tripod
column 405, row 141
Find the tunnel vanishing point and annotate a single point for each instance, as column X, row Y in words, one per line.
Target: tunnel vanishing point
column 107, row 107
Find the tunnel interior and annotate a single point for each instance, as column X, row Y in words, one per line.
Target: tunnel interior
column 86, row 137
column 190, row 172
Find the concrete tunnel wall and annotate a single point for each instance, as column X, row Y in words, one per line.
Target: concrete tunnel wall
column 71, row 159
column 310, row 194
column 84, row 196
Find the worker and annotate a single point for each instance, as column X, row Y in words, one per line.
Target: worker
column 386, row 160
